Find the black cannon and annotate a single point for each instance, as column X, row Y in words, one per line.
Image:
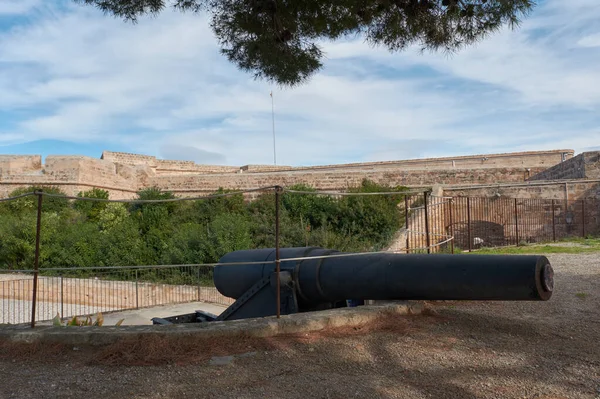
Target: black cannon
column 315, row 279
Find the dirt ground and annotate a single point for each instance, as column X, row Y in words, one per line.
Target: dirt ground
column 543, row 350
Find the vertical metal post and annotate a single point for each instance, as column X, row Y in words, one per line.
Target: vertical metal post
column 517, row 222
column 451, row 227
column 277, row 260
column 583, row 218
column 36, row 261
column 469, row 224
column 62, row 310
column 199, row 284
column 427, row 238
column 273, row 118
column 137, row 303
column 553, row 222
column 406, row 222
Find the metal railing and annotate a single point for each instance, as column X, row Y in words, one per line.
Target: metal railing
column 82, row 291
column 431, row 224
column 38, row 294
column 498, row 222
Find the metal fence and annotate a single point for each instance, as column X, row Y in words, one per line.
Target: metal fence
column 39, row 294
column 426, row 224
column 497, row 222
column 62, row 292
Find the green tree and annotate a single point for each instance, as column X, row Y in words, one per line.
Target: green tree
column 374, row 218
column 187, row 246
column 208, row 209
column 312, row 210
column 278, row 39
column 17, row 241
column 154, row 215
column 113, row 215
column 228, row 232
column 121, row 245
column 262, row 224
column 92, row 209
column 29, row 203
column 191, row 232
column 76, row 245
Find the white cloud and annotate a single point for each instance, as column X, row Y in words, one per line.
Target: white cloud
column 161, row 87
column 590, row 41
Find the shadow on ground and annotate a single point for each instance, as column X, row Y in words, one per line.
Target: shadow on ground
column 464, row 350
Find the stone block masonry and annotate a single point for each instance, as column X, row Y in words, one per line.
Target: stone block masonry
column 122, row 174
column 584, row 166
column 332, row 181
column 571, row 190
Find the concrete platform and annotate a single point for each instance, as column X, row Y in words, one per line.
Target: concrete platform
column 143, row 317
column 259, row 327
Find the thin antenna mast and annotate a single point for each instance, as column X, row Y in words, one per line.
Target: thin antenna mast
column 273, row 118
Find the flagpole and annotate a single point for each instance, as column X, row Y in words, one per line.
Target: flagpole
column 273, row 118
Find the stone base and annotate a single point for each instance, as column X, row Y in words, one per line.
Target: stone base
column 259, row 327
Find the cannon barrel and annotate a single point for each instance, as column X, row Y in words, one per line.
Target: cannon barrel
column 390, row 276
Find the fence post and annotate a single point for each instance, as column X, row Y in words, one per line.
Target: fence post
column 427, row 238
column 199, row 296
column 137, row 303
column 36, row 261
column 583, row 218
column 517, row 222
column 277, row 260
column 62, row 310
column 469, row 224
column 451, row 227
column 406, row 221
column 553, row 222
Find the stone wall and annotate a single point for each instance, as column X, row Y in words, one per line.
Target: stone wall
column 164, row 167
column 592, row 164
column 584, row 166
column 574, row 168
column 124, row 174
column 73, row 174
column 571, row 190
column 19, row 164
column 532, row 159
column 333, row 180
column 129, row 159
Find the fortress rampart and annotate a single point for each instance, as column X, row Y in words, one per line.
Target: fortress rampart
column 124, row 174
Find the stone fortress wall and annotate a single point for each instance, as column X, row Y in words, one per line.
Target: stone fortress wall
column 124, row 174
column 574, row 179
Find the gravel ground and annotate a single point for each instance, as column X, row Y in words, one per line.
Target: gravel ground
column 531, row 350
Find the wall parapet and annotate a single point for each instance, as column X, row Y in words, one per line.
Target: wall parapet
column 584, row 166
column 124, row 174
column 526, row 159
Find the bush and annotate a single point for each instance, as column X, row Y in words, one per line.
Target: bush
column 29, row 203
column 91, row 209
column 90, row 234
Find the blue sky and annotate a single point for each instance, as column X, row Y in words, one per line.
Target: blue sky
column 76, row 82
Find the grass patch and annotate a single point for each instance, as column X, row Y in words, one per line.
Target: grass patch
column 581, row 295
column 568, row 246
